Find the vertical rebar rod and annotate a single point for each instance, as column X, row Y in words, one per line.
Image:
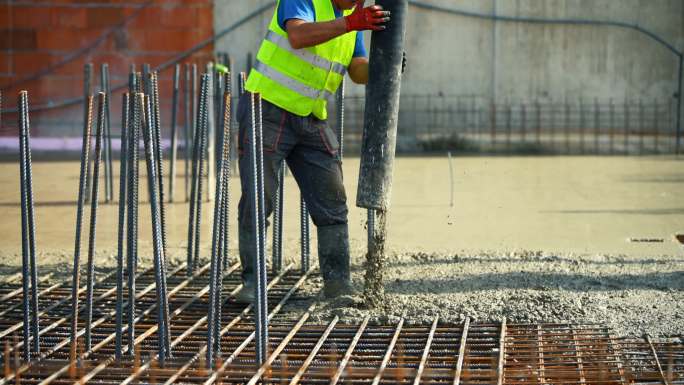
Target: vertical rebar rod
column 76, row 273
column 123, row 171
column 304, row 233
column 257, row 200
column 87, row 79
column 29, row 268
column 277, row 258
column 211, row 165
column 159, row 162
column 31, row 228
column 225, row 201
column 277, row 252
column 228, row 132
column 187, row 134
column 213, row 318
column 109, row 178
column 26, row 306
column 101, row 100
column 203, row 128
column 193, row 189
column 132, row 220
column 174, row 135
column 158, row 249
column 197, row 176
column 340, row 119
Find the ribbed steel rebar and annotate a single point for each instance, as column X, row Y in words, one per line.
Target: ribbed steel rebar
column 211, row 130
column 31, row 228
column 304, row 233
column 193, row 189
column 277, row 258
column 87, row 80
column 187, row 125
column 76, row 274
column 162, row 304
column 123, row 170
column 132, row 220
column 101, row 100
column 261, row 327
column 159, row 158
column 25, row 249
column 340, row 120
column 203, row 128
column 109, row 168
column 174, row 134
column 218, row 236
column 228, row 133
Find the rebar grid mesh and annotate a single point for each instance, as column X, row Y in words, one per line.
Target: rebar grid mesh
column 304, row 352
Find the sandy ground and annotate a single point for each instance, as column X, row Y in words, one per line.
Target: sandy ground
column 530, row 238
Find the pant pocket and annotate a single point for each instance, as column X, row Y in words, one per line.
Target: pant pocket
column 329, row 138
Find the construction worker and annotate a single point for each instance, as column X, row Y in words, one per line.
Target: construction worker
column 309, row 46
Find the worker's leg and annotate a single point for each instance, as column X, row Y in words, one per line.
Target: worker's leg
column 277, row 142
column 318, row 172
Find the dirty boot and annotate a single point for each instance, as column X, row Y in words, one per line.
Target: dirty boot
column 246, row 293
column 333, row 256
column 248, row 262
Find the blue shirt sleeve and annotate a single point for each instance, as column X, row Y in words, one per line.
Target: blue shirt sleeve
column 304, row 10
column 295, row 9
column 360, row 47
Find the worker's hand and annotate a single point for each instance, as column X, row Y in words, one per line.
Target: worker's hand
column 369, row 18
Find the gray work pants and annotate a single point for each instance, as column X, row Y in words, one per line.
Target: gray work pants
column 309, row 146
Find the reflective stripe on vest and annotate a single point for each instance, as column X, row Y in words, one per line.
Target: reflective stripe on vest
column 289, row 83
column 315, row 60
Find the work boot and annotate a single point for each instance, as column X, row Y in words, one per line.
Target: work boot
column 248, row 262
column 333, row 257
column 246, row 293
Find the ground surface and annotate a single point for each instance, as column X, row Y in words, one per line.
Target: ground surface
column 469, row 259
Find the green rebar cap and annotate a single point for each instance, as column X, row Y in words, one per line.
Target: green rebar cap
column 221, row 68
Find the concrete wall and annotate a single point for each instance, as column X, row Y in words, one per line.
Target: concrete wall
column 456, row 55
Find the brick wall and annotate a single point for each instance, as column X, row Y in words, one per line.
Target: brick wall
column 35, row 35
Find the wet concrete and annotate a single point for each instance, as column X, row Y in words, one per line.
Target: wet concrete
column 470, row 259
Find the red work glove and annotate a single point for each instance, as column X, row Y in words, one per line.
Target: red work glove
column 369, row 18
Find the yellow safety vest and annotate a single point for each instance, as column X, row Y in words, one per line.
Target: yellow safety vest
column 301, row 80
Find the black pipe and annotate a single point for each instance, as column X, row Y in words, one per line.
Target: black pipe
column 382, row 109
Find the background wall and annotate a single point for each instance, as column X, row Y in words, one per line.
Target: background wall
column 465, row 56
column 35, row 35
